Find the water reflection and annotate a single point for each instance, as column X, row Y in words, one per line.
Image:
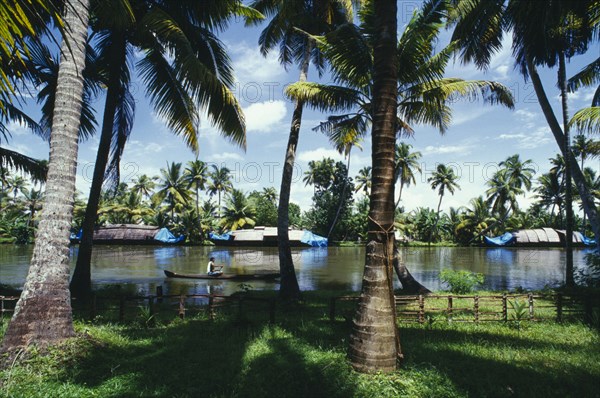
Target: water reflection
column 334, row 268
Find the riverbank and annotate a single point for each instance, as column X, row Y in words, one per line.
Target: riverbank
column 304, row 355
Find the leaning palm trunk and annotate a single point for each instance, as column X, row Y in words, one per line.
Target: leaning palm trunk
column 43, row 313
column 586, row 198
column 81, row 284
column 374, row 342
column 342, row 199
column 562, row 77
column 409, row 284
column 289, row 289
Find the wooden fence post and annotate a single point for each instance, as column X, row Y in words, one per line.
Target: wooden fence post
column 450, row 308
column 530, row 299
column 159, row 293
column 421, row 308
column 332, row 309
column 559, row 307
column 504, row 308
column 151, row 320
column 182, row 307
column 476, row 308
column 121, row 308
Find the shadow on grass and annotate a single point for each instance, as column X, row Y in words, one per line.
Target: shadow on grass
column 200, row 358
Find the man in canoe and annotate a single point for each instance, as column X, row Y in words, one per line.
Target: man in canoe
column 212, row 269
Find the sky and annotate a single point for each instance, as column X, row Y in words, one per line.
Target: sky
column 480, row 136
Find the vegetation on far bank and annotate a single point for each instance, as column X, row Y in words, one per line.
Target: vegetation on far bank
column 304, row 354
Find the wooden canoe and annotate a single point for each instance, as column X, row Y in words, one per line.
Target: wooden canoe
column 232, row 277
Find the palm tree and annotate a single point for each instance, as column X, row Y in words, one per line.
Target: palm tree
column 220, row 182
column 518, row 173
column 16, row 184
column 289, row 19
column 270, row 194
column 238, row 213
column 423, row 91
column 550, row 193
column 43, row 313
column 502, row 190
column 363, row 180
column 374, row 341
column 407, row 163
column 172, row 188
column 144, row 185
column 196, row 175
column 200, row 75
column 567, row 31
column 443, row 179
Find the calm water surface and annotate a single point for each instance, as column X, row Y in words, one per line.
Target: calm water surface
column 334, row 268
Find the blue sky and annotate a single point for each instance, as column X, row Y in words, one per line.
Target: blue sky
column 480, row 135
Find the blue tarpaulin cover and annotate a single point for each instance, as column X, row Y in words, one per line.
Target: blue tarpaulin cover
column 165, row 236
column 312, row 239
column 76, row 236
column 586, row 241
column 503, row 240
column 226, row 236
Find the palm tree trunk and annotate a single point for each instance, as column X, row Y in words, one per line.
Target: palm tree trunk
column 562, row 79
column 289, row 289
column 374, row 341
column 409, row 284
column 586, row 198
column 399, row 194
column 81, row 283
column 342, row 198
column 43, row 313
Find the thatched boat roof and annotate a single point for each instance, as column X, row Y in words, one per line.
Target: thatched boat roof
column 543, row 236
column 125, row 232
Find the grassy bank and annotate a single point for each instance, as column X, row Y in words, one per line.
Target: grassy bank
column 303, row 355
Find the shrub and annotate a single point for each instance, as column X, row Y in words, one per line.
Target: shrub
column 461, row 282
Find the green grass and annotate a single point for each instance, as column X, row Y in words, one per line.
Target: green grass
column 304, row 355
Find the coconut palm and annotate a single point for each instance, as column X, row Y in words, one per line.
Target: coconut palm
column 407, row 163
column 220, row 181
column 285, row 30
column 503, row 190
column 238, row 212
column 43, row 313
column 270, row 194
column 519, row 173
column 16, row 184
column 184, row 67
column 144, row 185
column 363, row 180
column 172, row 188
column 424, row 94
column 550, row 193
column 196, row 175
column 374, row 341
column 443, row 179
column 567, row 31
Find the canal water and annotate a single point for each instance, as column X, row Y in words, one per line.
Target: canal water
column 140, row 268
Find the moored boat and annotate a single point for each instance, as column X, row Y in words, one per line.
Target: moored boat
column 233, row 277
column 266, row 236
column 132, row 234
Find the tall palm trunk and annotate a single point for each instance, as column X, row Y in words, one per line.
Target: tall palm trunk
column 586, row 198
column 562, row 80
column 289, row 289
column 342, row 198
column 81, row 283
column 374, row 342
column 399, row 194
column 43, row 313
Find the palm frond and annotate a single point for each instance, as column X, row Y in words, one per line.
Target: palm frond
column 587, row 77
column 587, row 120
column 37, row 169
column 323, row 97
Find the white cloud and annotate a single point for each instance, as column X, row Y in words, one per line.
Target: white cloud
column 531, row 140
column 318, row 154
column 221, row 157
column 265, row 116
column 16, row 128
column 525, row 114
column 469, row 114
column 447, row 149
column 251, row 67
